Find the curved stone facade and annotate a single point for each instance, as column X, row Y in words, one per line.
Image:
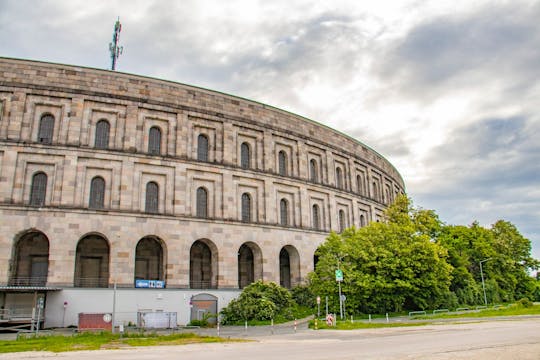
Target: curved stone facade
column 110, row 177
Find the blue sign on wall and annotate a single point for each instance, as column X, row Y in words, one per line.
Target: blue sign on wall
column 150, row 284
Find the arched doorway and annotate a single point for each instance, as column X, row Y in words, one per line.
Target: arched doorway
column 289, row 267
column 203, row 265
column 30, row 260
column 149, row 262
column 204, row 307
column 249, row 264
column 92, row 262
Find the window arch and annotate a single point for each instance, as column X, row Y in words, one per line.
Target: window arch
column 30, row 260
column 101, row 140
column 92, row 262
column 362, row 221
column 38, row 189
column 202, row 202
column 339, row 178
column 46, row 129
column 149, row 262
column 202, row 147
column 359, row 184
column 97, row 193
column 282, row 163
column 245, row 156
column 342, row 224
column 151, row 204
column 315, row 214
column 203, row 269
column 375, row 191
column 154, row 141
column 284, row 212
column 313, row 173
column 246, row 207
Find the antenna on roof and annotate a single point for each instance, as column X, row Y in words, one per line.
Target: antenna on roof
column 113, row 46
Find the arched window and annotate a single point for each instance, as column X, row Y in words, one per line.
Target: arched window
column 282, row 163
column 97, row 193
column 284, row 212
column 154, row 141
column 202, row 148
column 342, row 224
column 246, row 207
column 149, row 264
column 339, row 178
column 359, row 184
column 30, row 265
column 246, row 266
column 102, row 134
column 151, row 204
column 362, row 221
column 203, row 265
column 245, row 156
column 313, row 173
column 316, row 217
column 46, row 129
column 92, row 262
column 202, row 202
column 38, row 189
column 375, row 191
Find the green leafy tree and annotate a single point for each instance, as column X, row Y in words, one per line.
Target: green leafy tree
column 387, row 266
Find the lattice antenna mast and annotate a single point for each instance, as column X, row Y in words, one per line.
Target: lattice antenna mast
column 113, row 46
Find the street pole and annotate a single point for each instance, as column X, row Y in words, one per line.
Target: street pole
column 483, row 283
column 340, row 302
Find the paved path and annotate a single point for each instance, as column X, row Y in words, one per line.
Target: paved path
column 510, row 339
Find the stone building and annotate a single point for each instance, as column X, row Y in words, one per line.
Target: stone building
column 109, row 178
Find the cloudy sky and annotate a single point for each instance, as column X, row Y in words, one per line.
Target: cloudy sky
column 449, row 92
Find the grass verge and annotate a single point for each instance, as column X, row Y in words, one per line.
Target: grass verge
column 92, row 341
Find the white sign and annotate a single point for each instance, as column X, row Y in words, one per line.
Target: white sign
column 107, row 318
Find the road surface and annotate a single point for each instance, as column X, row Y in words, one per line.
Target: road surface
column 509, row 339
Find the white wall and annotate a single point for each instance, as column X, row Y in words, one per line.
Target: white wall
column 128, row 302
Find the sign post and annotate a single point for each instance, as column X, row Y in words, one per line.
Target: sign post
column 318, row 307
column 339, row 279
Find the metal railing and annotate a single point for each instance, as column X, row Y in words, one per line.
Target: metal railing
column 28, row 281
column 91, row 282
column 202, row 284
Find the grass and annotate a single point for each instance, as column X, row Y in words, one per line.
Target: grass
column 92, row 341
column 512, row 310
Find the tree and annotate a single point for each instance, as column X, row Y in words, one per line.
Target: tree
column 387, row 266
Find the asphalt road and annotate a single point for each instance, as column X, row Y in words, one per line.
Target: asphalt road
column 509, row 339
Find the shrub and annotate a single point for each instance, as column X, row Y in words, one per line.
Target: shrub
column 524, row 302
column 259, row 301
column 303, row 296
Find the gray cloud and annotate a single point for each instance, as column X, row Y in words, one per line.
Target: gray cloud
column 492, row 45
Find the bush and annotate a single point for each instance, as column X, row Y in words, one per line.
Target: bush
column 259, row 301
column 303, row 296
column 524, row 302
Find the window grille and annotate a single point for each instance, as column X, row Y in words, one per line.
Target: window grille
column 339, row 178
column 202, row 203
column 102, row 134
column 154, row 141
column 246, row 207
column 46, row 129
column 282, row 163
column 97, row 193
column 152, row 197
column 202, row 148
column 245, row 156
column 316, row 217
column 284, row 212
column 313, row 175
column 38, row 189
column 341, row 220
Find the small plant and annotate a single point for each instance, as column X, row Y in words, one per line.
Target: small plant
column 524, row 302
